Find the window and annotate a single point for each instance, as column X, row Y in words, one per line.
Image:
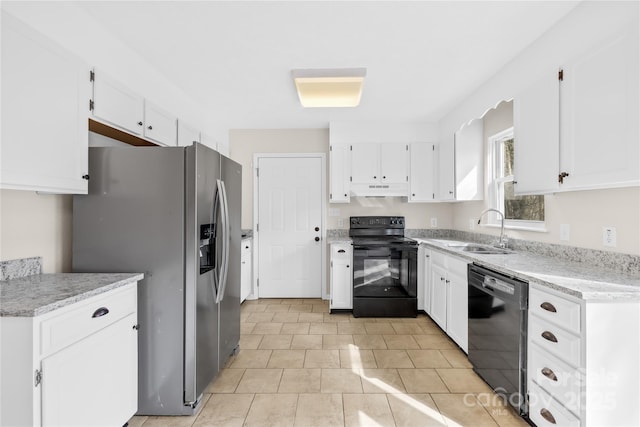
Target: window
column 519, row 211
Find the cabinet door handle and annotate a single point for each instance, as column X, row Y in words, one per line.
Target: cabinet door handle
column 86, row 176
column 442, row 278
column 136, row 327
column 549, row 374
column 547, row 415
column 100, row 312
column 562, row 176
column 549, row 336
column 139, row 123
column 374, row 177
column 447, row 281
column 317, row 239
column 317, row 229
column 347, row 265
column 340, row 251
column 150, row 127
column 548, row 306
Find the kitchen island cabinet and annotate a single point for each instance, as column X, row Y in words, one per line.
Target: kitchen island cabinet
column 69, row 355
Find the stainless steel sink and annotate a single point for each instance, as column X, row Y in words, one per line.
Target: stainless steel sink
column 486, row 250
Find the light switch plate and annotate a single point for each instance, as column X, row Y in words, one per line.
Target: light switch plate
column 565, row 231
column 340, row 222
column 609, row 236
column 434, row 222
column 334, row 212
column 472, row 224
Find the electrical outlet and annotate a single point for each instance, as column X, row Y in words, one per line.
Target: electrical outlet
column 340, row 222
column 565, row 231
column 609, row 236
column 434, row 222
column 472, row 224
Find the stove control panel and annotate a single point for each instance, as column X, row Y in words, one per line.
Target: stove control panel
column 377, row 222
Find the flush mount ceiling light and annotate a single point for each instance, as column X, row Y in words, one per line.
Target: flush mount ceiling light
column 329, row 87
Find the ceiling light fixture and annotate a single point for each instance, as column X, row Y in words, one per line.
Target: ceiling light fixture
column 329, row 87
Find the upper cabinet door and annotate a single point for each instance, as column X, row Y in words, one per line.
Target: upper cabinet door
column 340, row 173
column 159, row 125
column 446, row 171
column 600, row 114
column 187, row 135
column 536, row 130
column 393, row 163
column 45, row 106
column 365, row 163
column 421, row 172
column 469, row 170
column 117, row 105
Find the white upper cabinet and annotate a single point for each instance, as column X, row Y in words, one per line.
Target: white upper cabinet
column 422, row 173
column 469, row 161
column 340, row 173
column 159, row 125
column 600, row 116
column 536, row 124
column 577, row 128
column 45, row 105
column 393, row 163
column 187, row 135
column 446, row 171
column 379, row 169
column 117, row 105
column 364, row 163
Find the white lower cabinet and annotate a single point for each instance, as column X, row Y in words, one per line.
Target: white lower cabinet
column 246, row 262
column 424, row 279
column 449, row 291
column 582, row 360
column 341, row 276
column 75, row 366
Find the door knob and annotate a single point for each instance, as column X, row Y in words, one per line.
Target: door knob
column 317, row 228
column 317, row 239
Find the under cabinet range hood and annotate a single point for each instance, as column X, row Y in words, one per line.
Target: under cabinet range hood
column 380, row 190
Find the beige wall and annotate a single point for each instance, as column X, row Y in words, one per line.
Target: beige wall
column 36, row 225
column 244, row 143
column 586, row 212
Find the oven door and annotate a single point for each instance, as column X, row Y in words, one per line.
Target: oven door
column 385, row 271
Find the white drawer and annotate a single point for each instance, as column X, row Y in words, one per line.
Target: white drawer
column 556, row 377
column 556, row 309
column 545, row 411
column 78, row 322
column 562, row 344
column 341, row 251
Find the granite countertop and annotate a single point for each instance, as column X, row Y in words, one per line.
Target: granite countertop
column 41, row 293
column 338, row 239
column 569, row 277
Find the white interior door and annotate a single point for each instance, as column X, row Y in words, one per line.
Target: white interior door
column 290, row 227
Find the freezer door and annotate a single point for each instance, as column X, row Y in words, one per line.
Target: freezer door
column 202, row 270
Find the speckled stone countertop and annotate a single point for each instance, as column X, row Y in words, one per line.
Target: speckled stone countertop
column 569, row 277
column 41, row 293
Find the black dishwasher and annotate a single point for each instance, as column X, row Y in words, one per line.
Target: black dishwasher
column 498, row 333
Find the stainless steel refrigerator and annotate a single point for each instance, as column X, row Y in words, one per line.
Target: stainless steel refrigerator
column 172, row 213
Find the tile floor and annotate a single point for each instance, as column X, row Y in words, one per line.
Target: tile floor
column 298, row 365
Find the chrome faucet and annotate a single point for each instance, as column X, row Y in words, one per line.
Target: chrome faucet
column 502, row 243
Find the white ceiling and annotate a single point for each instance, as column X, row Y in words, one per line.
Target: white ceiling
column 235, row 58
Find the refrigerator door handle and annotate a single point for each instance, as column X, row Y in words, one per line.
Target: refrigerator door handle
column 226, row 238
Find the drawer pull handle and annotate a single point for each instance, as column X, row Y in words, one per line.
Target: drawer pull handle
column 341, row 251
column 548, row 306
column 549, row 336
column 100, row 312
column 549, row 374
column 547, row 415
